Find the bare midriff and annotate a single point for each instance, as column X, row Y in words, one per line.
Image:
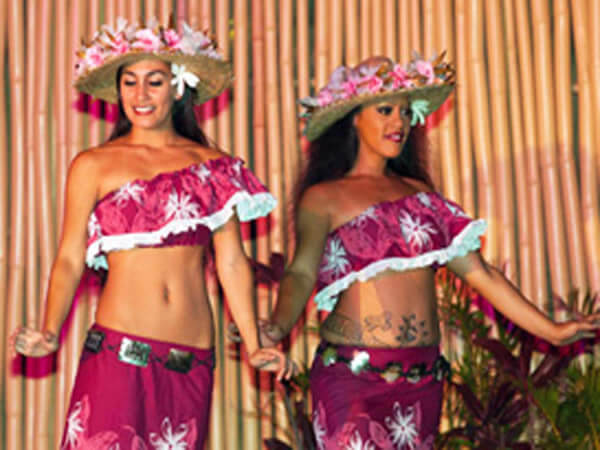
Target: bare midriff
column 394, row 309
column 159, row 293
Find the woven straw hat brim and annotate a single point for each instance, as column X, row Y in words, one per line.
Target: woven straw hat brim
column 215, row 75
column 323, row 118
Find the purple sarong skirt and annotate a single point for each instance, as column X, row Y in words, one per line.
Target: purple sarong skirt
column 373, row 408
column 137, row 393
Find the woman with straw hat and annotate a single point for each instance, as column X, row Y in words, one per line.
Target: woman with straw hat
column 371, row 231
column 147, row 203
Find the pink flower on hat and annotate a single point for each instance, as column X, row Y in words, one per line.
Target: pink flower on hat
column 325, row 97
column 94, row 56
column 147, row 40
column 172, row 39
column 425, row 68
column 374, row 83
column 120, row 45
column 400, row 77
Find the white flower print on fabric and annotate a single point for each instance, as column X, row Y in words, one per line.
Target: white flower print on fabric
column 336, row 258
column 403, row 427
column 127, row 192
column 74, row 427
column 356, row 443
column 361, row 220
column 94, row 226
column 424, row 199
column 359, row 362
column 181, row 207
column 319, row 427
column 201, row 172
column 170, row 439
column 415, row 232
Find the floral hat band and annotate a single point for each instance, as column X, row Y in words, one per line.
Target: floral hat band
column 426, row 83
column 193, row 55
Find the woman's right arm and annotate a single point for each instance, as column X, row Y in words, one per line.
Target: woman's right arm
column 312, row 228
column 80, row 197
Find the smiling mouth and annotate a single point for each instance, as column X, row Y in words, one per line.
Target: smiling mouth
column 143, row 110
column 395, row 137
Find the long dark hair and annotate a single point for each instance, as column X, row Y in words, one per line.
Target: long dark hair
column 333, row 154
column 184, row 119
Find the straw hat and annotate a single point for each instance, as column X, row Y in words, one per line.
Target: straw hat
column 193, row 53
column 427, row 84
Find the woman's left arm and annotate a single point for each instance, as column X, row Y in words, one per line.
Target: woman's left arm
column 236, row 277
column 508, row 300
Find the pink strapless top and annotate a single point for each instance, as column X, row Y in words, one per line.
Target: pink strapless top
column 181, row 207
column 415, row 231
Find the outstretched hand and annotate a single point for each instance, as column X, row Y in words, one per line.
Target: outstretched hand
column 30, row 342
column 274, row 360
column 574, row 330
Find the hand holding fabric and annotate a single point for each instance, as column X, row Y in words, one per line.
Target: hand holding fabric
column 34, row 343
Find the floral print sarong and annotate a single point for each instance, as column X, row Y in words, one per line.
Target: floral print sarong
column 119, row 406
column 363, row 411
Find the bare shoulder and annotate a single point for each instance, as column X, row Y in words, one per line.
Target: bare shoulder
column 201, row 152
column 318, row 198
column 416, row 185
column 87, row 162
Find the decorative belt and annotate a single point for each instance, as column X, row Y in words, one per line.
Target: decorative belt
column 439, row 370
column 140, row 353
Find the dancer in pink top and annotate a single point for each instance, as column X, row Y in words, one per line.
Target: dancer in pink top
column 144, row 206
column 370, row 233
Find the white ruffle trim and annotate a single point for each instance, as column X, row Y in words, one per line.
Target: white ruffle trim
column 248, row 207
column 464, row 242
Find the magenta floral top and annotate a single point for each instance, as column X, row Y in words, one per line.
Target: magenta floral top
column 415, row 231
column 181, row 207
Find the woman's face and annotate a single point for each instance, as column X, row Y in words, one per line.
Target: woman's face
column 146, row 93
column 383, row 128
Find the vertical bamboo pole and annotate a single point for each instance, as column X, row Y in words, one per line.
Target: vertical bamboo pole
column 165, row 10
column 480, row 130
column 222, row 102
column 448, row 151
column 588, row 154
column 377, row 23
column 555, row 230
column 564, row 131
column 95, row 105
column 110, row 10
column 135, row 12
column 405, row 44
column 75, row 143
column 525, row 258
column 435, row 165
column 336, row 34
column 261, row 167
column 31, row 289
column 152, row 9
column 365, row 29
column 121, row 9
column 352, row 37
column 389, row 17
column 304, row 81
column 414, row 11
column 538, row 267
column 594, row 29
column 61, row 97
column 209, row 123
column 44, row 207
column 3, row 218
column 273, row 117
column 503, row 174
column 14, row 382
column 321, row 44
column 290, row 151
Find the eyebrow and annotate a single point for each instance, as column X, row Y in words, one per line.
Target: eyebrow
column 153, row 72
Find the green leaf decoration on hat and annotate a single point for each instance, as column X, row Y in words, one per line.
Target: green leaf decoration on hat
column 419, row 109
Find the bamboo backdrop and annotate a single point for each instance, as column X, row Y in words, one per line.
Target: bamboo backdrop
column 517, row 144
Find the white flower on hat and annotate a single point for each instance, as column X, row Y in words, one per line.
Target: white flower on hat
column 181, row 77
column 419, row 109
